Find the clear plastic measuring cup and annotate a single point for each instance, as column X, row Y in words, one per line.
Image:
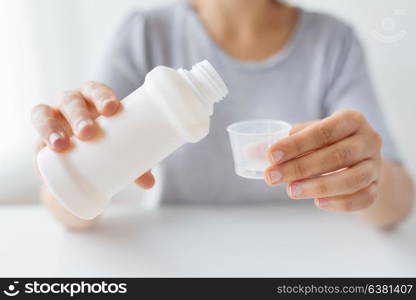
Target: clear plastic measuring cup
column 250, row 141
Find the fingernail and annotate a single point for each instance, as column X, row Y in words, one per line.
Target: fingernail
column 296, row 189
column 323, row 203
column 274, row 176
column 277, row 156
column 82, row 124
column 55, row 138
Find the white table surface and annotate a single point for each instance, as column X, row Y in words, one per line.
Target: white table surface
column 295, row 240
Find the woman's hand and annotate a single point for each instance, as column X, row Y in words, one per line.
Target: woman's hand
column 336, row 160
column 75, row 114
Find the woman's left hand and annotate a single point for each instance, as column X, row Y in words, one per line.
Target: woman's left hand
column 336, row 160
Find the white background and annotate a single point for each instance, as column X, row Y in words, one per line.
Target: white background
column 51, row 45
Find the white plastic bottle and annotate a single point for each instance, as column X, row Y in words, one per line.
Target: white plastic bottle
column 170, row 109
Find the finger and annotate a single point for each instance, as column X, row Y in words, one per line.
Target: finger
column 346, row 181
column 347, row 203
column 320, row 134
column 340, row 155
column 49, row 125
column 146, row 181
column 75, row 110
column 101, row 96
column 298, row 127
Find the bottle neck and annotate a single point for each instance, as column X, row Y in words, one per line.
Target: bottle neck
column 206, row 83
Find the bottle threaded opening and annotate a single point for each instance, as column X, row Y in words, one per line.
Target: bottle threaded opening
column 206, row 82
column 210, row 80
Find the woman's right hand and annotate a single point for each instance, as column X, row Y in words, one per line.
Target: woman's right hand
column 75, row 114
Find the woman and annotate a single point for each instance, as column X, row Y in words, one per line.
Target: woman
column 279, row 62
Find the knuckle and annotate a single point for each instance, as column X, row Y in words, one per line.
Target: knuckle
column 297, row 145
column 371, row 195
column 96, row 89
column 42, row 118
column 360, row 146
column 322, row 188
column 361, row 178
column 325, row 133
column 68, row 97
column 340, row 156
column 38, row 110
column 47, row 125
column 91, row 85
column 299, row 170
column 97, row 92
column 354, row 115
